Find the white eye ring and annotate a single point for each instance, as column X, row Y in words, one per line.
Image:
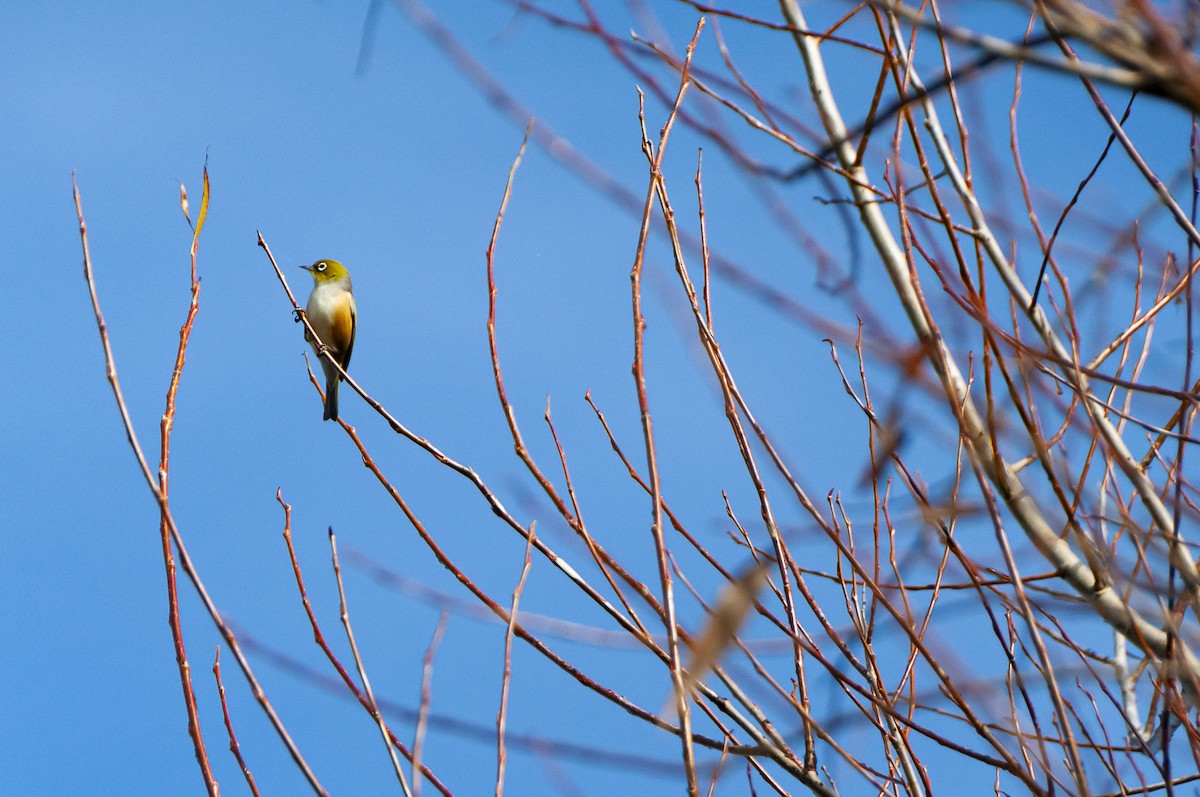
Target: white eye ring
column 321, row 266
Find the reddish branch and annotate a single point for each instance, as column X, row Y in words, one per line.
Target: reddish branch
column 181, row 552
column 164, row 469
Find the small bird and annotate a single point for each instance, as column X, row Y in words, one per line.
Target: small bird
column 333, row 317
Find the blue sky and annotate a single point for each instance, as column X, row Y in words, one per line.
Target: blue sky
column 396, row 169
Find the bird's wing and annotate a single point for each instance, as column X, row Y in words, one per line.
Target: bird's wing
column 346, row 326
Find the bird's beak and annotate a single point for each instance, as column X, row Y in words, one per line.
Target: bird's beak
column 307, row 268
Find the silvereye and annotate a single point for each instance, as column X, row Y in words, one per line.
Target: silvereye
column 331, row 312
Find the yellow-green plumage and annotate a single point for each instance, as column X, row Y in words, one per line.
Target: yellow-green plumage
column 333, row 317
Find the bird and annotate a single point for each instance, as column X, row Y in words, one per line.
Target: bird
column 332, row 315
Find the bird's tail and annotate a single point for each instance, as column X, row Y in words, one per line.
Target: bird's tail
column 331, row 404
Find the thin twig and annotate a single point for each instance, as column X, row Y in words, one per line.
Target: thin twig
column 655, row 156
column 362, row 670
column 234, row 747
column 166, row 424
column 502, row 712
column 422, row 728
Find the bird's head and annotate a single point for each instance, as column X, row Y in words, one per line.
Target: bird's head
column 327, row 271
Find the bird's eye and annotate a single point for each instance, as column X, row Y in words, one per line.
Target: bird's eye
column 320, row 266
